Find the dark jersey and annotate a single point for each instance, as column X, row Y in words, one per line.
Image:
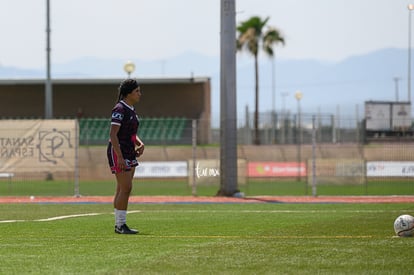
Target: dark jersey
column 124, row 116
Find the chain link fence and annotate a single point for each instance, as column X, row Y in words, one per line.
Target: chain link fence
column 306, row 154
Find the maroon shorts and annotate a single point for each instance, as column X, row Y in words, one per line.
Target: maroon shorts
column 130, row 160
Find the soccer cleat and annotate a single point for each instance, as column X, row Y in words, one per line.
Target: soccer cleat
column 124, row 229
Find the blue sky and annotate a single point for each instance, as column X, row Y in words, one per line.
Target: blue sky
column 326, row 30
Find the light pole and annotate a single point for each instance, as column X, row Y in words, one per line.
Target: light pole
column 273, row 118
column 396, row 79
column 129, row 68
column 283, row 118
column 410, row 8
column 298, row 96
column 48, row 86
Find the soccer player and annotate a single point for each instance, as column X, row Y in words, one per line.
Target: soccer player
column 124, row 148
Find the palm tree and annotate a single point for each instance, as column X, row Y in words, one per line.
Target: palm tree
column 251, row 37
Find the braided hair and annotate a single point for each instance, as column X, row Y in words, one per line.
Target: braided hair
column 126, row 87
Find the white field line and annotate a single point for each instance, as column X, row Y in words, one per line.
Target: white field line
column 65, row 217
column 12, row 221
column 53, row 218
column 203, row 211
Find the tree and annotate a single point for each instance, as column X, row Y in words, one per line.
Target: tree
column 251, row 37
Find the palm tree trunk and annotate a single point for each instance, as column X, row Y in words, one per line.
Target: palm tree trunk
column 256, row 111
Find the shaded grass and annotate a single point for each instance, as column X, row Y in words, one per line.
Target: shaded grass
column 207, row 239
column 180, row 187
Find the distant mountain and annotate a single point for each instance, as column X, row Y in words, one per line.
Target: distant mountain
column 13, row 72
column 183, row 65
column 326, row 87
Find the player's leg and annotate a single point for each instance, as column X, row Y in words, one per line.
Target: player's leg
column 117, row 190
column 123, row 191
column 124, row 187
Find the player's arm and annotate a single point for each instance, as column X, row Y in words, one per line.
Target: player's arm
column 140, row 146
column 113, row 134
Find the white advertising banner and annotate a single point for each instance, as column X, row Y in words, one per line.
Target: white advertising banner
column 390, row 168
column 401, row 115
column 161, row 169
column 37, row 145
column 378, row 115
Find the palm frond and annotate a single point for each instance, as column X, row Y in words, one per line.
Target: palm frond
column 250, row 33
column 272, row 37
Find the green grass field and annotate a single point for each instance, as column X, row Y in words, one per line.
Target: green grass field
column 205, row 239
column 277, row 187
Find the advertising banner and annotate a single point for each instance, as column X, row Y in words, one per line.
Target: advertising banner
column 401, row 115
column 37, row 145
column 207, row 171
column 161, row 169
column 276, row 169
column 390, row 169
column 378, row 115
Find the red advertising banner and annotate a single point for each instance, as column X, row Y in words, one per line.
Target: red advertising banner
column 276, row 169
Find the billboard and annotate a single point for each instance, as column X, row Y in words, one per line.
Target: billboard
column 401, row 116
column 387, row 115
column 161, row 169
column 38, row 145
column 378, row 115
column 390, row 169
column 276, row 169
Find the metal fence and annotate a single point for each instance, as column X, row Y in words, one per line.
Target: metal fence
column 311, row 155
column 290, row 129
